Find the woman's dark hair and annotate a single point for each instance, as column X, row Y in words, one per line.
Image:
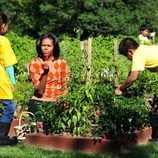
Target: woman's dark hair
column 127, row 43
column 56, row 51
column 3, row 18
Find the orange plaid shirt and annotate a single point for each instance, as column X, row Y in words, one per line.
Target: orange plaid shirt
column 56, row 80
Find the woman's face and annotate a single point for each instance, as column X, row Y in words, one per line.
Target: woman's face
column 47, row 47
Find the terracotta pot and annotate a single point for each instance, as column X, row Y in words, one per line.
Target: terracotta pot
column 143, row 135
column 83, row 144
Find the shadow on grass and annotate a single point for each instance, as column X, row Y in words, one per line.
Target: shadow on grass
column 149, row 150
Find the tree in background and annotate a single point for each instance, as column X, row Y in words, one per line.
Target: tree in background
column 23, row 15
column 94, row 17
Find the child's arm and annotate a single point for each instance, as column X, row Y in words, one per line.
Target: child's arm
column 10, row 71
column 132, row 77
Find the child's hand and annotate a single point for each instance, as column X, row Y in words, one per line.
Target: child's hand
column 12, row 88
column 45, row 65
column 118, row 91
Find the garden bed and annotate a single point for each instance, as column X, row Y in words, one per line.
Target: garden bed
column 74, row 143
column 68, row 143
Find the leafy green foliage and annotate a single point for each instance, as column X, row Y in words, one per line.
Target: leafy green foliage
column 72, row 114
column 120, row 115
column 99, row 17
column 24, row 48
column 90, row 108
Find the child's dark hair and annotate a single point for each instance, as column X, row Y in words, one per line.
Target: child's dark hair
column 56, row 51
column 3, row 18
column 143, row 27
column 127, row 43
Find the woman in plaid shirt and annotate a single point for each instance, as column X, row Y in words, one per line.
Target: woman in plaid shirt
column 49, row 72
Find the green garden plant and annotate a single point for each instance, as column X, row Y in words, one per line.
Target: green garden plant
column 90, row 109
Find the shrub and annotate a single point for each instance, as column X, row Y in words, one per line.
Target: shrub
column 72, row 114
column 24, row 48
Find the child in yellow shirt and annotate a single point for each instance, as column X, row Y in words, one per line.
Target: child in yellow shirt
column 7, row 82
column 143, row 56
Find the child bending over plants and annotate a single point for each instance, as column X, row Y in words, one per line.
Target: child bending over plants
column 49, row 72
column 143, row 56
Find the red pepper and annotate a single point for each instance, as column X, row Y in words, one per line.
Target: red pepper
column 39, row 125
column 65, row 106
column 104, row 137
column 46, row 58
column 99, row 113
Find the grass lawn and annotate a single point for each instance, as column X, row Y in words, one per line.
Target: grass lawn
column 149, row 150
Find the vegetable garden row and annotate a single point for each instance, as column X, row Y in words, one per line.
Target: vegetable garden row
column 90, row 108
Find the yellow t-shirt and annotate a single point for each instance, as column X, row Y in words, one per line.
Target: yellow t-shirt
column 7, row 58
column 145, row 57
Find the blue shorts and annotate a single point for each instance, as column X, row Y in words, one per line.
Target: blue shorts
column 9, row 108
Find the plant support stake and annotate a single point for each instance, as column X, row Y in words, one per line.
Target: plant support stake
column 89, row 55
column 115, row 63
